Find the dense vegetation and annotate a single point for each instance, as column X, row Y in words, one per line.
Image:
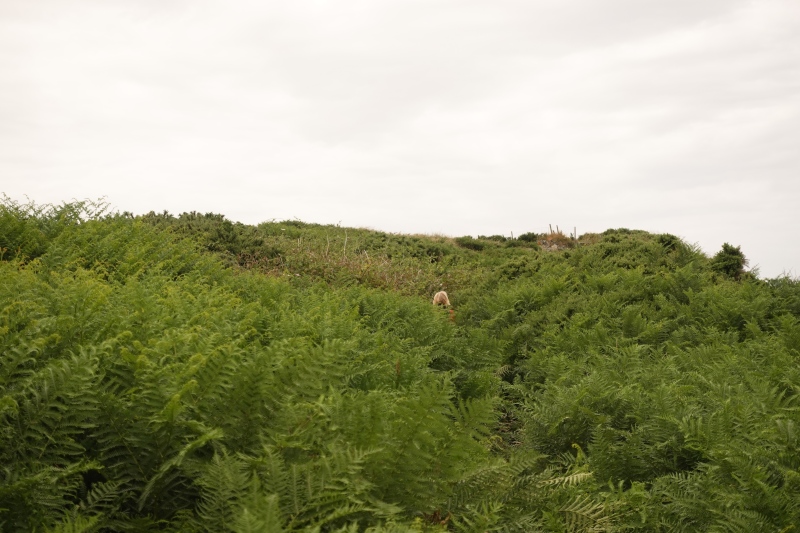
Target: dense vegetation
column 188, row 374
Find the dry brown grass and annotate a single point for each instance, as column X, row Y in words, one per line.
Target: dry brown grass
column 407, row 276
column 557, row 239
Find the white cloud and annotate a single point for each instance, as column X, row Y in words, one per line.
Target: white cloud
column 678, row 117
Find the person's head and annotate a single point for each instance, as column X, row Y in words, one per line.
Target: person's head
column 440, row 298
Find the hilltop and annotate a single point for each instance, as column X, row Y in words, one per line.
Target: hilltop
column 189, row 373
column 421, row 264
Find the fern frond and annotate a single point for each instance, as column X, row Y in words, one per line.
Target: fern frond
column 568, row 480
column 76, row 524
column 258, row 514
column 161, row 478
column 224, row 481
column 585, row 515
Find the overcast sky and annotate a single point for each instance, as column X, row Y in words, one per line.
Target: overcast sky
column 454, row 117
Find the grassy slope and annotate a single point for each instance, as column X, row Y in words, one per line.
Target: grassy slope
column 300, row 378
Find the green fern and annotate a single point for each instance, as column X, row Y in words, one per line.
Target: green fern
column 583, row 514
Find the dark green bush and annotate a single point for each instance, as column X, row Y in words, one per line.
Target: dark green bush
column 470, row 243
column 496, row 238
column 729, row 261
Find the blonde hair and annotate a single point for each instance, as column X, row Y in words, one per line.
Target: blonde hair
column 440, row 298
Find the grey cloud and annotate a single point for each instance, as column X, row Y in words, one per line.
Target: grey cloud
column 658, row 116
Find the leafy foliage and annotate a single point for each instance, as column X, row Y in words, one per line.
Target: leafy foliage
column 193, row 374
column 729, row 261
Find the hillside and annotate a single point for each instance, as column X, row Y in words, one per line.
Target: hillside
column 188, row 373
